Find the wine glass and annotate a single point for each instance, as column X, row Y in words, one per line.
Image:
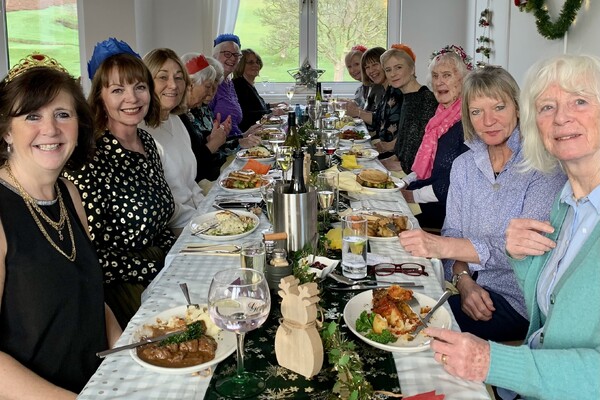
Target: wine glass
column 340, row 109
column 326, row 184
column 330, row 140
column 267, row 193
column 239, row 301
column 289, row 92
column 284, row 159
column 264, row 80
column 314, row 113
column 276, row 139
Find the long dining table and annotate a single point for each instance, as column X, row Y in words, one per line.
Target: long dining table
column 119, row 376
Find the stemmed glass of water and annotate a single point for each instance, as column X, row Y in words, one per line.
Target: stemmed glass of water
column 340, row 109
column 239, row 301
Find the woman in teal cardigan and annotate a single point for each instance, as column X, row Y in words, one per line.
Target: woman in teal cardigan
column 557, row 263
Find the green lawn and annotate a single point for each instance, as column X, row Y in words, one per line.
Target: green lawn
column 52, row 31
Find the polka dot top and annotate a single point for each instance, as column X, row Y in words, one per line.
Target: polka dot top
column 128, row 205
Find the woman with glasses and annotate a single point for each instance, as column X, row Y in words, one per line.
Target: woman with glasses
column 486, row 192
column 227, row 51
column 252, row 104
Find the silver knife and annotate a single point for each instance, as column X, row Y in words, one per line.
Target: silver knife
column 104, row 353
column 361, row 286
column 447, row 293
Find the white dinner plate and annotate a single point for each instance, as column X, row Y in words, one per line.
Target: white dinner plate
column 241, row 155
column 369, row 154
column 363, row 302
column 399, row 184
column 409, row 225
column 349, row 142
column 239, row 191
column 226, row 344
column 199, row 220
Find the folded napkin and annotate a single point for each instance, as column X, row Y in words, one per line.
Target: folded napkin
column 349, row 161
column 426, row 396
column 257, row 167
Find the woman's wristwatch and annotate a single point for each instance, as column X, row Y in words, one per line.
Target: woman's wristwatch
column 456, row 277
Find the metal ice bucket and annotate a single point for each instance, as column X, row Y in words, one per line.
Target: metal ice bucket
column 296, row 215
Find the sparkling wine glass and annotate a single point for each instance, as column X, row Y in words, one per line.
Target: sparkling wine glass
column 326, row 184
column 264, row 80
column 289, row 92
column 330, row 140
column 239, row 301
column 340, row 109
column 284, row 159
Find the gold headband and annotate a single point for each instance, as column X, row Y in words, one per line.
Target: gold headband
column 33, row 61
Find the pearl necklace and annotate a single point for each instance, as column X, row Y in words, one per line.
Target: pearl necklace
column 34, row 209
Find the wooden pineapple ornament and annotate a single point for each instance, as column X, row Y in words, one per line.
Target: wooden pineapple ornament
column 298, row 345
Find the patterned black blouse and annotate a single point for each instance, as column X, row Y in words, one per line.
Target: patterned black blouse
column 386, row 118
column 128, row 204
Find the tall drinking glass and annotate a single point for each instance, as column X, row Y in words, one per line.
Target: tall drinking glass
column 253, row 255
column 314, row 113
column 239, row 301
column 276, row 139
column 284, row 159
column 326, row 184
column 354, row 246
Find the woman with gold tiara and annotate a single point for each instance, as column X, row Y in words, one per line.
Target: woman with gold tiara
column 52, row 313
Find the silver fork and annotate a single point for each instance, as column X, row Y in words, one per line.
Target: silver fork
column 414, row 305
column 205, row 229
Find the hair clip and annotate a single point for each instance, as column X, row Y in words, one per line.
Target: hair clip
column 33, row 60
column 459, row 51
column 359, row 47
column 106, row 49
column 227, row 37
column 406, row 49
column 196, row 64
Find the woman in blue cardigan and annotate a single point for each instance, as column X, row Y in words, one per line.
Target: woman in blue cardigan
column 557, row 262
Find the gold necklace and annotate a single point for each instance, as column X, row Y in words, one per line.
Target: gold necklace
column 58, row 226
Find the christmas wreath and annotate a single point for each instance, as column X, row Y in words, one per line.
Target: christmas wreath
column 546, row 28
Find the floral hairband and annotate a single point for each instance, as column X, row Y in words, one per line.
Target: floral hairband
column 466, row 59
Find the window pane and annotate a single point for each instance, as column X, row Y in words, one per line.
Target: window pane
column 45, row 26
column 271, row 29
column 342, row 24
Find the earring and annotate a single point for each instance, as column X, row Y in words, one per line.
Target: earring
column 9, row 147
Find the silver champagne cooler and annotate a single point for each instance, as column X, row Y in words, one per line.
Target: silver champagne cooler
column 296, row 215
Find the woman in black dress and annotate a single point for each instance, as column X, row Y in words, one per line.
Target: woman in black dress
column 53, row 318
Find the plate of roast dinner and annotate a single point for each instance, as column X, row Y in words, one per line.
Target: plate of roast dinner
column 243, row 181
column 384, row 226
column 204, row 346
column 259, row 153
column 224, row 225
column 382, row 319
column 379, row 181
column 351, row 136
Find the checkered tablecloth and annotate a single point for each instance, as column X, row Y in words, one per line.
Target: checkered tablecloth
column 120, row 377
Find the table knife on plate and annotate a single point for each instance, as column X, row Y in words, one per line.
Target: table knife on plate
column 104, row 353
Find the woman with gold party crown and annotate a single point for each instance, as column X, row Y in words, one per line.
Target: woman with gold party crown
column 53, row 318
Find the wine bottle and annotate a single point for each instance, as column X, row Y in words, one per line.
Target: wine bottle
column 297, row 184
column 298, row 111
column 319, row 94
column 293, row 138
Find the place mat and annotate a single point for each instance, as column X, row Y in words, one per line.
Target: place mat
column 378, row 366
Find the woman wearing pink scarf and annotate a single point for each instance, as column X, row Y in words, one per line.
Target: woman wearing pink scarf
column 443, row 140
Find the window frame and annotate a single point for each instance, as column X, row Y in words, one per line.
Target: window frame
column 308, row 48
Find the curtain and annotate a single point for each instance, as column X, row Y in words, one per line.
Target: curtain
column 224, row 14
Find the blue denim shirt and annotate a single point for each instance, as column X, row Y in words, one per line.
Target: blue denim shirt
column 480, row 206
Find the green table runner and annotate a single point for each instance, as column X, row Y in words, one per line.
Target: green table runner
column 378, row 365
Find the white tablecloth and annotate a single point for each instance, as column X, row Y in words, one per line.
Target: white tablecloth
column 119, row 376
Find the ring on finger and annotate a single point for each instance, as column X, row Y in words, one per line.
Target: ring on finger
column 444, row 359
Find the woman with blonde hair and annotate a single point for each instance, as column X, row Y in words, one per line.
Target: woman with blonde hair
column 171, row 82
